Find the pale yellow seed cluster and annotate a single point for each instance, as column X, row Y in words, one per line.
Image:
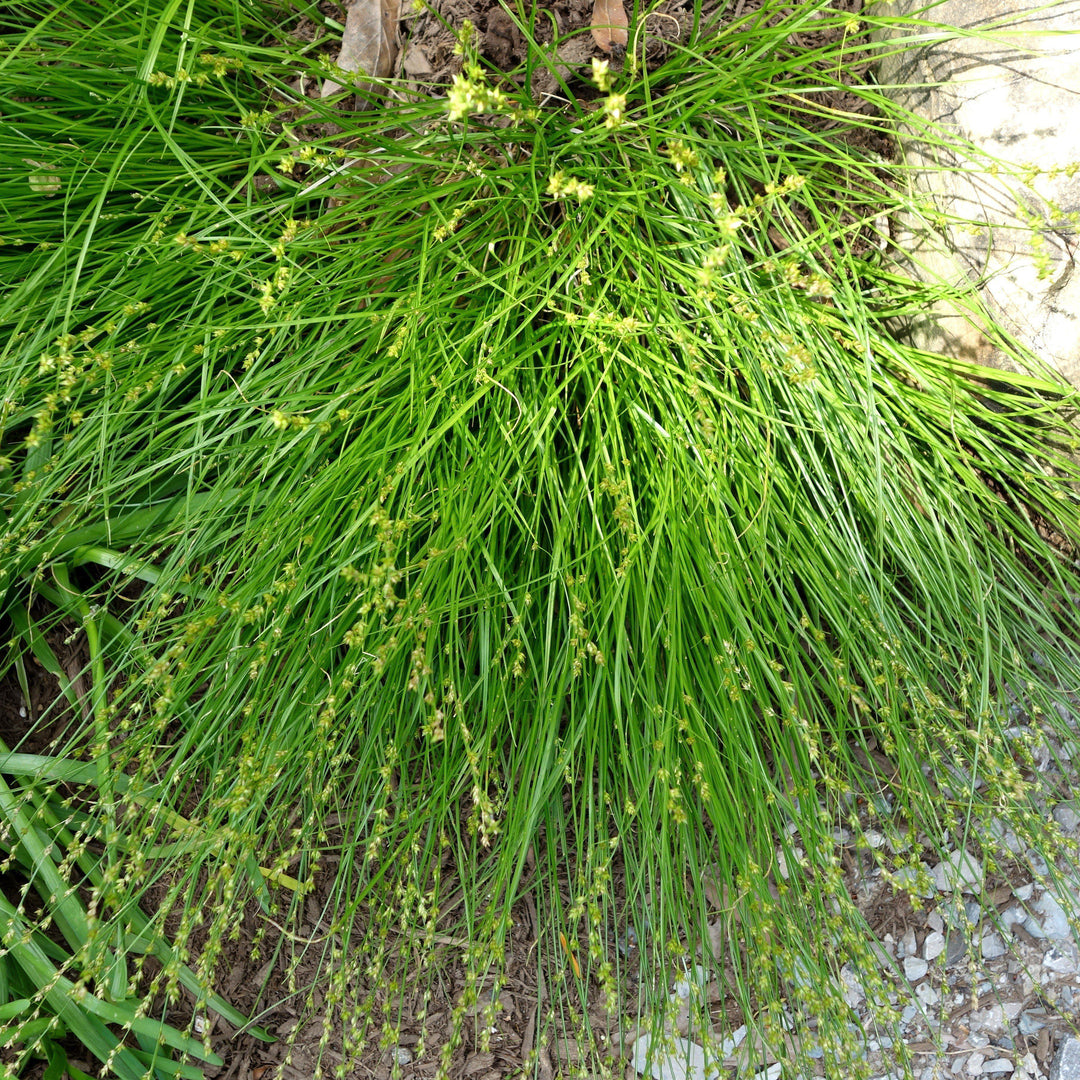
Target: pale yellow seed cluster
column 601, row 75
column 471, row 95
column 582, row 647
column 271, row 289
column 442, row 232
column 211, row 66
column 310, row 156
column 683, row 157
column 561, row 186
column 614, row 111
column 76, row 365
column 729, row 220
column 592, row 883
column 618, row 490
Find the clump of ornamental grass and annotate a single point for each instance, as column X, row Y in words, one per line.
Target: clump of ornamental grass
column 491, row 509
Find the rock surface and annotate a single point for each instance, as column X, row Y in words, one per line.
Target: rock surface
column 1013, row 98
column 1066, row 1064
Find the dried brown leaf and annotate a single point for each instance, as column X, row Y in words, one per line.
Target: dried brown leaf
column 416, row 62
column 369, row 45
column 478, row 1063
column 609, row 25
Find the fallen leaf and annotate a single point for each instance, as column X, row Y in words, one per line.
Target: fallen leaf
column 416, row 62
column 478, row 1063
column 369, row 43
column 609, row 24
column 42, row 183
column 1042, row 1047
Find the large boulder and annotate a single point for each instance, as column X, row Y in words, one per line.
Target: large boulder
column 999, row 167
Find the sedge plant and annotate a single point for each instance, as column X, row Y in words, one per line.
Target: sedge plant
column 491, row 507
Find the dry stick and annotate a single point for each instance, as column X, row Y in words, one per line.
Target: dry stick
column 74, row 672
column 534, row 1019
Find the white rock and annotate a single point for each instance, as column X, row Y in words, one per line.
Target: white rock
column 1038, row 864
column 1023, row 892
column 1013, row 914
column 1054, row 920
column 1004, row 835
column 1060, row 959
column 853, row 990
column 1011, row 94
column 934, row 945
column 914, row 968
column 927, row 995
column 1029, row 1024
column 1066, row 1063
column 998, row 1067
column 993, row 946
column 881, row 952
column 695, row 978
column 685, row 1062
column 1034, row 927
column 907, row 943
column 1066, row 817
column 974, row 1064
column 781, row 864
column 996, row 1017
column 732, row 1042
column 959, row 870
column 1030, row 1065
column 918, row 879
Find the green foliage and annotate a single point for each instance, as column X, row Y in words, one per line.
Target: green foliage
column 458, row 507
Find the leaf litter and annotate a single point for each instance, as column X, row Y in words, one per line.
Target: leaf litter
column 369, row 46
column 609, row 25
